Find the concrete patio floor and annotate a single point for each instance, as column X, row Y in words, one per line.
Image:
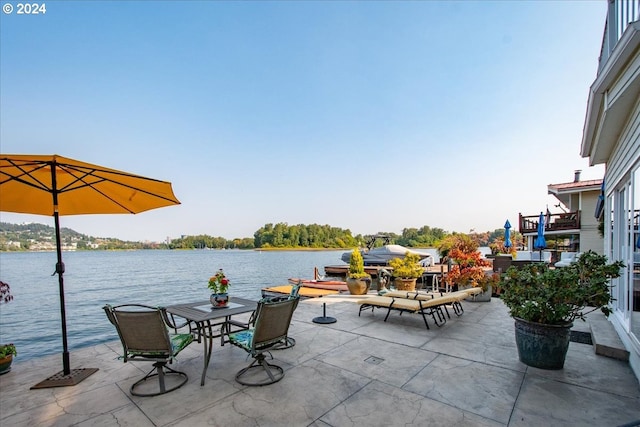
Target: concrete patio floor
column 359, row 371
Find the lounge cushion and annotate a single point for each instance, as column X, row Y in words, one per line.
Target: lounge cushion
column 411, row 295
column 413, row 305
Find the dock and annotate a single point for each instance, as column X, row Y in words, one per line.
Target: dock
column 341, row 270
column 304, row 292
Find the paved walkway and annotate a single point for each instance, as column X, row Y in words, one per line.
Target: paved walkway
column 359, row 371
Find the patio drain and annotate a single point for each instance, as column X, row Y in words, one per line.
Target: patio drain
column 581, row 337
column 374, row 360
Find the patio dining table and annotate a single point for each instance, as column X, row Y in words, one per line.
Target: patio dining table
column 206, row 318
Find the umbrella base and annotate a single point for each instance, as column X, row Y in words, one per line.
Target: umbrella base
column 61, row 380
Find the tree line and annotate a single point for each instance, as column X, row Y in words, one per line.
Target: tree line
column 269, row 236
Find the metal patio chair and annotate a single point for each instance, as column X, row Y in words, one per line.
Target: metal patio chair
column 288, row 342
column 145, row 337
column 269, row 333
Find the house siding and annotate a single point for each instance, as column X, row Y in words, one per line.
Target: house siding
column 590, row 238
column 624, row 160
column 612, row 136
column 626, row 152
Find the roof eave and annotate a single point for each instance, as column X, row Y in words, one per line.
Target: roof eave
column 598, row 131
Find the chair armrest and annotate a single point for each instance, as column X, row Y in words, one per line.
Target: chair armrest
column 170, row 321
column 245, row 325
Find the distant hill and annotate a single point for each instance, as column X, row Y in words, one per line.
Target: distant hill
column 40, row 237
column 34, row 230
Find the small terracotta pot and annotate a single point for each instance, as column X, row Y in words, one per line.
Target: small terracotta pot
column 405, row 284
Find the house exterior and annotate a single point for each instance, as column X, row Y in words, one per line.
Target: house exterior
column 611, row 136
column 581, row 196
column 574, row 228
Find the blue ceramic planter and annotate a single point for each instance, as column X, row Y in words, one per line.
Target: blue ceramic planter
column 542, row 346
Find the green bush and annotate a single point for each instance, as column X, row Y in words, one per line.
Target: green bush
column 537, row 293
column 407, row 267
column 356, row 265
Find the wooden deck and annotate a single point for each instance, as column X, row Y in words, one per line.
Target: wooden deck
column 553, row 222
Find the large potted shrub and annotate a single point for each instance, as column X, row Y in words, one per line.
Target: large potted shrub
column 358, row 280
column 544, row 303
column 7, row 351
column 406, row 271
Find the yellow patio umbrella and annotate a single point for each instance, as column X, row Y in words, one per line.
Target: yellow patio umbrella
column 56, row 185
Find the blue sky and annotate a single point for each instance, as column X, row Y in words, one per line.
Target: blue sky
column 368, row 116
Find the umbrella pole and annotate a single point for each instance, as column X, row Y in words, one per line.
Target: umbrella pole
column 66, row 377
column 60, row 272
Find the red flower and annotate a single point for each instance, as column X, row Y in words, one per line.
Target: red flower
column 219, row 283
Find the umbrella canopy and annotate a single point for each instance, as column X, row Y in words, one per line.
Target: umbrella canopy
column 56, row 185
column 27, row 184
column 540, row 242
column 507, row 235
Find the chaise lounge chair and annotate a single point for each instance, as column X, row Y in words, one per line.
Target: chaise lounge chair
column 424, row 303
column 424, row 308
column 457, row 296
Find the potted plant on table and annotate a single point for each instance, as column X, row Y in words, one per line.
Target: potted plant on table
column 406, row 271
column 358, row 280
column 219, row 285
column 544, row 303
column 7, row 351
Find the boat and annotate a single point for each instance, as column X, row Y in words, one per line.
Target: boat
column 334, row 285
column 279, row 291
column 383, row 254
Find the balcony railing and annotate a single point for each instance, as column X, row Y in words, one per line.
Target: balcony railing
column 552, row 222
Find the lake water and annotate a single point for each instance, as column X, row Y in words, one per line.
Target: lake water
column 153, row 277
